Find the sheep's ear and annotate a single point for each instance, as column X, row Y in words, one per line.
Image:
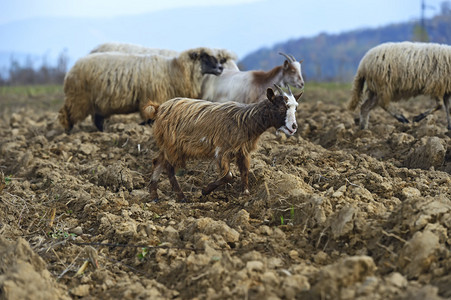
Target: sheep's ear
column 270, row 94
column 301, row 61
column 149, row 110
column 286, row 64
column 193, row 55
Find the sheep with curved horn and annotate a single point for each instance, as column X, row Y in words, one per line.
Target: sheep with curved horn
column 188, row 129
column 288, row 57
column 250, row 86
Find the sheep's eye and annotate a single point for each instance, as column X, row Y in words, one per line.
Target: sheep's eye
column 222, row 61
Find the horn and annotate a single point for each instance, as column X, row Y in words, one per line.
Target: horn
column 292, row 57
column 289, row 90
column 279, row 89
column 287, row 57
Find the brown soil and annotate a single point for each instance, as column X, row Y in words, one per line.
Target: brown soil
column 334, row 212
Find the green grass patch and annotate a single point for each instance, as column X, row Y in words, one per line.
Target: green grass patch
column 329, row 86
column 328, row 92
column 51, row 97
column 31, row 90
column 41, row 97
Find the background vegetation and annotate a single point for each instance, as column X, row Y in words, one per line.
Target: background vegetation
column 327, row 57
column 335, row 57
column 28, row 74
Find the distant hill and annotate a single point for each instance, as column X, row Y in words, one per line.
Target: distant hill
column 49, row 36
column 39, row 42
column 336, row 57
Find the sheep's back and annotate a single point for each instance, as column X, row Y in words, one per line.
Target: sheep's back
column 133, row 49
column 118, row 82
column 188, row 128
column 402, row 70
column 229, row 86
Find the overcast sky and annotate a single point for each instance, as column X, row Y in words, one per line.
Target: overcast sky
column 371, row 12
column 287, row 19
column 12, row 10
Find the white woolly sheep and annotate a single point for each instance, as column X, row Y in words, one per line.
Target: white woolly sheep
column 250, row 86
column 396, row 71
column 226, row 58
column 188, row 129
column 103, row 84
column 133, row 49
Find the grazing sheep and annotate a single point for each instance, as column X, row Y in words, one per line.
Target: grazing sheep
column 250, row 86
column 188, row 129
column 225, row 57
column 103, row 84
column 396, row 71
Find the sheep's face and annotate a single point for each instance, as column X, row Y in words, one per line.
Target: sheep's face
column 283, row 111
column 209, row 64
column 292, row 74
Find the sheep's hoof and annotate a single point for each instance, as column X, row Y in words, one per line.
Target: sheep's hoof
column 363, row 127
column 147, row 122
column 98, row 122
column 68, row 129
column 401, row 119
column 181, row 198
column 419, row 117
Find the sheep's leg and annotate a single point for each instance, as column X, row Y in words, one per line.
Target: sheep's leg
column 157, row 169
column 98, row 121
column 174, row 183
column 226, row 177
column 243, row 162
column 365, row 109
column 396, row 115
column 423, row 115
column 446, row 103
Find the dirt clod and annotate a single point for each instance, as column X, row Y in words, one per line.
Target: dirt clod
column 334, row 212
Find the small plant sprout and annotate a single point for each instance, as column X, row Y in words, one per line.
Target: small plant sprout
column 142, row 255
column 58, row 234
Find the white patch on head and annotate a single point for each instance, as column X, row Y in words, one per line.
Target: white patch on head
column 297, row 66
column 295, row 80
column 290, row 118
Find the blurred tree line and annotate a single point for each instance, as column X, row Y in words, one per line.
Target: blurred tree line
column 25, row 73
column 335, row 57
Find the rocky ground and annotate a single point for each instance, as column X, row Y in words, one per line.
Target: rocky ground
column 334, row 212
